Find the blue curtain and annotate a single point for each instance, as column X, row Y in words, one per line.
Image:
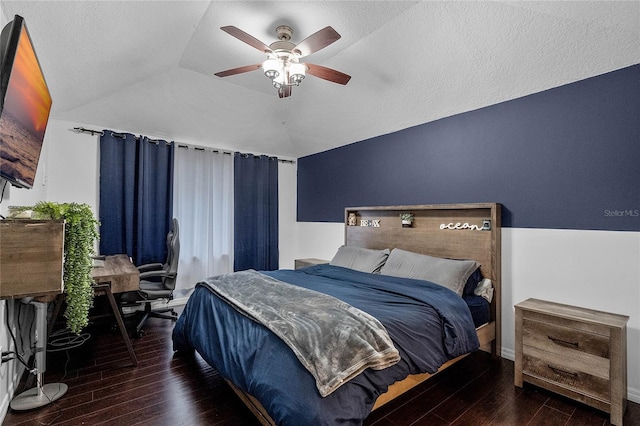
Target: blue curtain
column 117, row 192
column 255, row 212
column 136, row 196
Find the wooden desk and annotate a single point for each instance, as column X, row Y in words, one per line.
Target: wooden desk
column 119, row 272
column 118, row 275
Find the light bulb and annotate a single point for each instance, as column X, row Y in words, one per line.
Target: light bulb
column 272, row 68
column 297, row 73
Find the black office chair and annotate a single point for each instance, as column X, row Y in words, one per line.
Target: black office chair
column 157, row 281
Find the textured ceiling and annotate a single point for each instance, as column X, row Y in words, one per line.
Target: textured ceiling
column 147, row 67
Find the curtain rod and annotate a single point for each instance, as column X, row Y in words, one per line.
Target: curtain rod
column 101, row 133
column 90, row 131
column 221, row 151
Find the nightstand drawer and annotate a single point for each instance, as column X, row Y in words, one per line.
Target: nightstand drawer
column 566, row 377
column 552, row 337
column 572, row 360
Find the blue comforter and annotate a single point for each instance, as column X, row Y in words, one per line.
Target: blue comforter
column 428, row 323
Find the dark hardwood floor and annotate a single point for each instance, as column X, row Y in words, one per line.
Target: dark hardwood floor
column 183, row 390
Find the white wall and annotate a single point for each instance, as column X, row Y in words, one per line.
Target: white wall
column 594, row 269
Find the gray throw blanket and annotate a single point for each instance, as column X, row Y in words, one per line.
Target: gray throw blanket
column 332, row 339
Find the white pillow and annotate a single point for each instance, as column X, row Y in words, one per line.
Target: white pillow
column 485, row 289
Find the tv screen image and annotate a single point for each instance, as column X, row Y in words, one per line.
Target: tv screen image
column 25, row 107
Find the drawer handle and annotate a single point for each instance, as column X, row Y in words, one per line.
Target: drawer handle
column 564, row 342
column 562, row 371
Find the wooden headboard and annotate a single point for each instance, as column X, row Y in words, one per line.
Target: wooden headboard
column 454, row 231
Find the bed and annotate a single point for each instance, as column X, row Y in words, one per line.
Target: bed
column 275, row 381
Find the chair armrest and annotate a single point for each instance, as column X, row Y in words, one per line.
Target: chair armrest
column 150, row 267
column 157, row 274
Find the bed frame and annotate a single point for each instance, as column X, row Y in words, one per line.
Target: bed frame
column 455, row 231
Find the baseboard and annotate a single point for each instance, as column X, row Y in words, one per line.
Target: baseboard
column 508, row 354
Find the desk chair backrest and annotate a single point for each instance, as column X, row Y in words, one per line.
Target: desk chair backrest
column 157, row 281
column 173, row 255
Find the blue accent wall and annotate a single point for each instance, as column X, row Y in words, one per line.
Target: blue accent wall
column 565, row 158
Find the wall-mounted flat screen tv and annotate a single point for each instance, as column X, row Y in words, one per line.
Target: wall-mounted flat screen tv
column 25, row 103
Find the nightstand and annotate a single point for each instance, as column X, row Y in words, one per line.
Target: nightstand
column 301, row 263
column 576, row 352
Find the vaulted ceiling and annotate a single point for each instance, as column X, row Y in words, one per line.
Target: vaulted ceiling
column 148, row 66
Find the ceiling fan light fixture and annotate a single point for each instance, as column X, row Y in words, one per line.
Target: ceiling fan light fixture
column 279, row 81
column 297, row 72
column 282, row 64
column 272, row 68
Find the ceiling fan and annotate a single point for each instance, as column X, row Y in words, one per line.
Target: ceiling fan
column 283, row 66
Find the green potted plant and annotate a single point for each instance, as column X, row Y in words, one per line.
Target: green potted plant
column 80, row 235
column 407, row 219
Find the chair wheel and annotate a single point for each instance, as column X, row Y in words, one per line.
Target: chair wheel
column 139, row 333
column 114, row 328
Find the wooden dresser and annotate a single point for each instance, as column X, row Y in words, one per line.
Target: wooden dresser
column 576, row 352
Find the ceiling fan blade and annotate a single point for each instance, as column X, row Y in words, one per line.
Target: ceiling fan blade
column 238, row 70
column 317, row 41
column 328, row 74
column 249, row 39
column 284, row 92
